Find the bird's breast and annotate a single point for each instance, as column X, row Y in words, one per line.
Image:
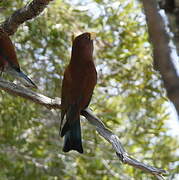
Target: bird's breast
column 83, row 81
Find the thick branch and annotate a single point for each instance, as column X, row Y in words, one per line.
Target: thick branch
column 161, row 50
column 28, row 12
column 100, row 127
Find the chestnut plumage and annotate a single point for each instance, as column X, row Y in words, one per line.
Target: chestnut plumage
column 79, row 80
column 9, row 62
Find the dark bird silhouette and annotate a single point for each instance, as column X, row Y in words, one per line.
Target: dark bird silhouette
column 9, row 62
column 79, row 80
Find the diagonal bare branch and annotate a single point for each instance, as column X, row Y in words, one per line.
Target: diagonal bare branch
column 50, row 103
column 26, row 13
column 120, row 151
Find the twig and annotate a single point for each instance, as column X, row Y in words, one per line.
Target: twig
column 22, row 15
column 16, row 90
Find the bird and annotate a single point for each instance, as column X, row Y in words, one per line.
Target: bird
column 9, row 62
column 79, row 80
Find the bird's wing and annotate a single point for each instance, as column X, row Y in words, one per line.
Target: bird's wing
column 7, row 51
column 88, row 85
column 70, row 101
column 65, row 96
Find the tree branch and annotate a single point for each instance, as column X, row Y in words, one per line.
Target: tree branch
column 26, row 13
column 16, row 90
column 161, row 51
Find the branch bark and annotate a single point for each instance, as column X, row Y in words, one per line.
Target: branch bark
column 50, row 103
column 22, row 15
column 161, row 50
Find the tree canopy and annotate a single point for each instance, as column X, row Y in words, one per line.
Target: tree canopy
column 129, row 96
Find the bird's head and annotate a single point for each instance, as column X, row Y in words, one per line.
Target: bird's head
column 83, row 44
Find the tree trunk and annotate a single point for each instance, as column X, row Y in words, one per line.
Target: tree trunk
column 161, row 50
column 171, row 8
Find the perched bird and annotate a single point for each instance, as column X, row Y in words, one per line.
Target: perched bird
column 9, row 62
column 79, row 80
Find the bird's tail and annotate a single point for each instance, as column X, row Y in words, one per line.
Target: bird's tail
column 72, row 139
column 26, row 81
column 22, row 77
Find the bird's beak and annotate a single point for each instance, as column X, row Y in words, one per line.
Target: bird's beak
column 92, row 35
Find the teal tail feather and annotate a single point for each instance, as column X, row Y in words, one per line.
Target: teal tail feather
column 21, row 76
column 28, row 82
column 73, row 138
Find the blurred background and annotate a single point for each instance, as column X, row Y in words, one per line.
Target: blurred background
column 129, row 97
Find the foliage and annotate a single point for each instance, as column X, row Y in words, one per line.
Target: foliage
column 129, row 96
